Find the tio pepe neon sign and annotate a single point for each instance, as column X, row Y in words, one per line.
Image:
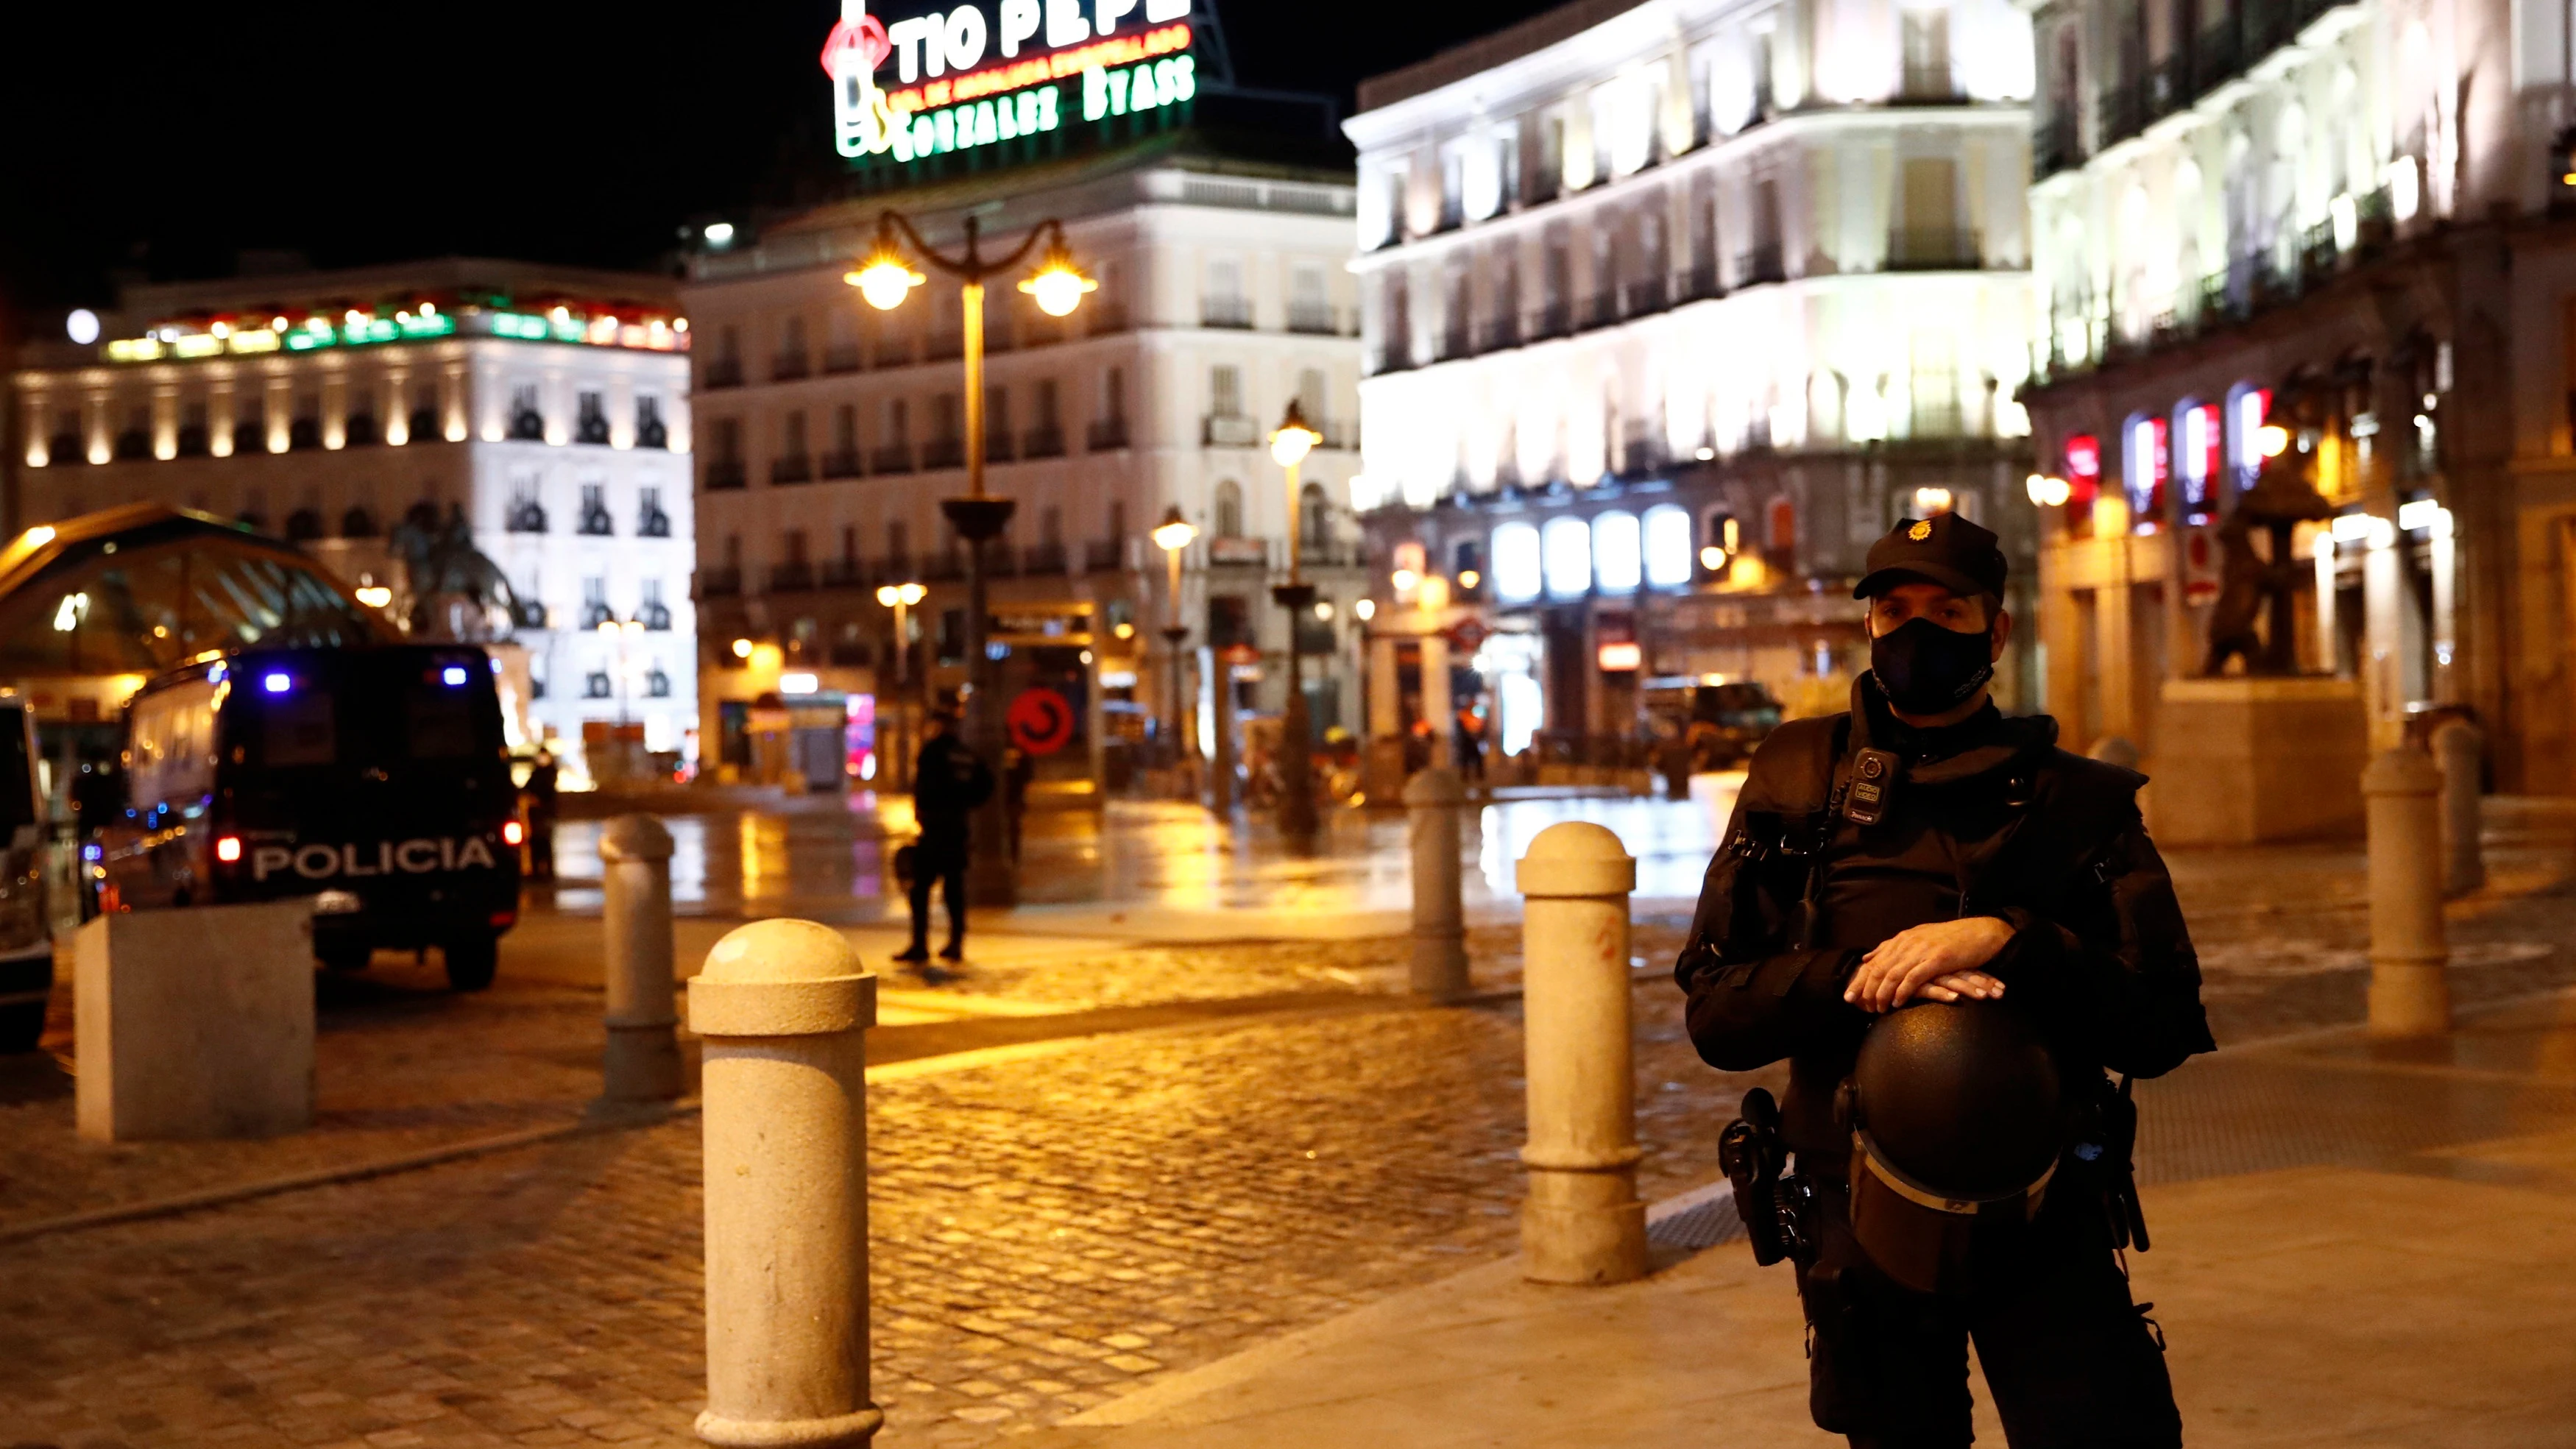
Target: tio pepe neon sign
column 1131, row 56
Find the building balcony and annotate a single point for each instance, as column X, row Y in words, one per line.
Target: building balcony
column 1761, row 264
column 595, row 612
column 1043, row 558
column 1701, row 282
column 1934, row 249
column 1106, row 434
column 790, row 367
column 1104, row 556
column 726, row 473
column 595, row 523
column 943, row 453
column 794, row 468
column 1314, row 319
column 1500, row 331
column 192, row 441
column 794, row 577
column 843, row 573
column 525, row 516
column 1600, row 309
column 942, row 566
column 1394, row 353
column 592, row 430
column 893, row 352
column 1552, row 320
column 2054, row 148
column 1221, row 430
column 719, row 583
column 1000, row 446
column 1644, row 296
column 1043, row 441
column 655, row 524
column 841, row 463
column 360, row 431
column 890, row 458
column 1224, row 552
column 844, row 359
column 1103, row 319
column 1231, row 312
column 656, row 618
column 944, row 347
column 1455, row 343
column 721, row 372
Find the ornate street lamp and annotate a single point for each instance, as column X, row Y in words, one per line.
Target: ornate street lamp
column 1172, row 536
column 1289, row 447
column 885, row 279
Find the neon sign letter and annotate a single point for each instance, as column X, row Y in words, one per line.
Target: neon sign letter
column 1019, row 22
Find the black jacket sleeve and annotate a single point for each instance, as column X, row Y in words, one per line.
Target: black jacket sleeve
column 2112, row 966
column 1755, row 995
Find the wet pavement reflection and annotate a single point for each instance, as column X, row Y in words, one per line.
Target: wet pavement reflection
column 833, row 859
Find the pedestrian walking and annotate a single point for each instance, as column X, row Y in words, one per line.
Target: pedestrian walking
column 1470, row 745
column 949, row 782
column 1951, row 928
column 539, row 801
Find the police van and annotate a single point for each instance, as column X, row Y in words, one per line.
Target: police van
column 374, row 779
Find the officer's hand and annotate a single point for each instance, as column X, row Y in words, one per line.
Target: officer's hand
column 1900, row 967
column 1975, row 985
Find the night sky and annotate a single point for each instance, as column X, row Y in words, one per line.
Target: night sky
column 163, row 141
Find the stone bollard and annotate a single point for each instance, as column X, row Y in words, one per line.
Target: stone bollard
column 1583, row 1222
column 2458, row 746
column 784, row 1006
column 1432, row 800
column 643, row 1053
column 2410, row 993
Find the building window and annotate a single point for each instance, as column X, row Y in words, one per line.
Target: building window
column 590, row 423
column 1616, row 558
column 650, row 520
column 1667, row 546
column 1517, row 574
column 650, row 431
column 527, row 423
column 1228, row 511
column 597, row 686
column 1926, row 46
column 2144, row 470
column 527, row 514
column 595, row 521
column 594, row 603
column 1566, row 548
column 1225, row 391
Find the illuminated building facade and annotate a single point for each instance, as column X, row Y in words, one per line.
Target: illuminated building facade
column 830, row 432
column 548, row 407
column 1669, row 310
column 2298, row 229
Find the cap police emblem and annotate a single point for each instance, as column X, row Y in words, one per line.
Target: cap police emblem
column 1920, row 531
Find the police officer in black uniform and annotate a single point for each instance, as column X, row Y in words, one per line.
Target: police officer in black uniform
column 949, row 783
column 1924, row 848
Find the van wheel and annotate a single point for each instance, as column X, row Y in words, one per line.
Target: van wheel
column 21, row 1026
column 346, row 960
column 471, row 962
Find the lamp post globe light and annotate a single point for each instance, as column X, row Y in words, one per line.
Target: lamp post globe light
column 895, row 728
column 1288, row 448
column 886, row 278
column 1173, row 536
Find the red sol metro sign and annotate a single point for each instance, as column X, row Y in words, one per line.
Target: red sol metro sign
column 956, row 79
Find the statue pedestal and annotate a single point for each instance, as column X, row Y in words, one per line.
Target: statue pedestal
column 2242, row 761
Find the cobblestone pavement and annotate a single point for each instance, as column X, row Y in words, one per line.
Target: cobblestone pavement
column 1049, row 1233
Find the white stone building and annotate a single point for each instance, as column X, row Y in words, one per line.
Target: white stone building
column 1705, row 294
column 830, row 432
column 549, row 405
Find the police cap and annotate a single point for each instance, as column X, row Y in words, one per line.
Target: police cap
column 1944, row 549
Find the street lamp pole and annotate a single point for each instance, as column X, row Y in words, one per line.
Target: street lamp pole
column 885, row 279
column 896, row 768
column 1289, row 447
column 1173, row 535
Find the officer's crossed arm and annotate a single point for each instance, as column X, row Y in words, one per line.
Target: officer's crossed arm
column 1755, row 995
column 1940, row 961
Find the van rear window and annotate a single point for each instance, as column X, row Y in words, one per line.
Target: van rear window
column 439, row 721
column 298, row 729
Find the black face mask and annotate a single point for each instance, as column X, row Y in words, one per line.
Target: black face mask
column 1923, row 668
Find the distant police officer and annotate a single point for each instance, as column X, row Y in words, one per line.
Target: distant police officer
column 1951, row 928
column 949, row 783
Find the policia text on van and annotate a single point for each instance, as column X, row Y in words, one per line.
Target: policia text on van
column 378, row 775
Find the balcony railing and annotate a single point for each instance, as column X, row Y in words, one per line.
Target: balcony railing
column 1552, row 319
column 794, row 577
column 1455, row 343
column 794, row 468
column 843, row 573
column 1105, row 318
column 1043, row 558
column 944, row 453
column 944, row 347
column 720, row 582
column 1222, row 430
column 999, row 446
column 2121, row 112
column 844, row 358
column 525, row 516
column 1761, row 264
column 1234, row 312
column 725, row 473
column 1225, row 551
column 1394, row 352
column 1339, row 436
column 1106, row 434
column 944, row 565
column 1315, row 319
column 723, row 372
column 655, row 617
column 2053, row 147
column 893, row 351
column 841, row 463
column 1600, row 309
column 1104, row 556
column 655, row 524
column 1646, row 295
column 595, row 523
column 890, row 458
column 1933, row 249
column 1499, row 332
column 1043, row 441
column 1701, row 282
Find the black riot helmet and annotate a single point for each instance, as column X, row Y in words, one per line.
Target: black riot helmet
column 1958, row 1116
